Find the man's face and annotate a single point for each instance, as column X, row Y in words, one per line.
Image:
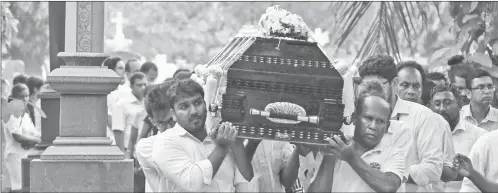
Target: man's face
column 151, row 75
column 138, row 87
column 445, row 104
column 372, row 123
column 134, row 67
column 384, row 82
column 460, row 84
column 409, row 85
column 482, row 90
column 190, row 112
column 120, row 68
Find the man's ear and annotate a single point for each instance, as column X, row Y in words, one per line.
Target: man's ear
column 468, row 93
column 388, row 125
column 173, row 115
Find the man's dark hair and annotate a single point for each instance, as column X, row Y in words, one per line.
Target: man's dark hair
column 381, row 65
column 21, row 78
column 462, row 71
column 34, row 82
column 156, row 96
column 147, row 66
column 111, row 62
column 478, row 73
column 16, row 89
column 136, row 76
column 426, row 92
column 180, row 74
column 183, row 88
column 128, row 63
column 446, row 87
column 413, row 65
column 456, row 59
column 436, row 76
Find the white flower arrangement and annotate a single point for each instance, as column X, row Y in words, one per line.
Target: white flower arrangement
column 279, row 22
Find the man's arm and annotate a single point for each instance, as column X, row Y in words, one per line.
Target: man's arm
column 482, row 183
column 290, row 169
column 242, row 162
column 428, row 144
column 119, row 125
column 325, row 176
column 251, row 147
column 387, row 180
column 177, row 166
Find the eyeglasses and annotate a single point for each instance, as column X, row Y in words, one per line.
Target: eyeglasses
column 481, row 87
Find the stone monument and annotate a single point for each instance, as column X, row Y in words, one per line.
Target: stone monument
column 82, row 158
column 119, row 41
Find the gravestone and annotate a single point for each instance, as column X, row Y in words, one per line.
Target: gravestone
column 82, row 158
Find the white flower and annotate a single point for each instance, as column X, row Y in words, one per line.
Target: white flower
column 216, row 71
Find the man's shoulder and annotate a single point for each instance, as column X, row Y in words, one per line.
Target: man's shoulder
column 474, row 129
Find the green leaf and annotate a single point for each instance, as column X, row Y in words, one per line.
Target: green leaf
column 482, row 59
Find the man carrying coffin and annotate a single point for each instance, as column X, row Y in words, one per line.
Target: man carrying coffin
column 366, row 163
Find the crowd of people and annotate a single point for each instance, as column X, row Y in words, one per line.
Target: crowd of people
column 412, row 132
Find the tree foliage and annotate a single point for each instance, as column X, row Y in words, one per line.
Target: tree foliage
column 31, row 43
column 8, row 26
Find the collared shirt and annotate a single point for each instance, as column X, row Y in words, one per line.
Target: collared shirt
column 112, row 99
column 490, row 123
column 183, row 161
column 20, row 126
column 425, row 158
column 144, row 157
column 464, row 136
column 308, row 168
column 268, row 162
column 448, row 152
column 386, row 157
column 125, row 113
column 484, row 156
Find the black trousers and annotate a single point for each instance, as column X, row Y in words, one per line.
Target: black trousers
column 138, row 178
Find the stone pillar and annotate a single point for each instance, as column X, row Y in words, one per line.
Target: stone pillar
column 50, row 104
column 56, row 31
column 82, row 158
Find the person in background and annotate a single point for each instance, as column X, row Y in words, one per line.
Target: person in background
column 426, row 92
column 158, row 110
column 4, row 98
column 411, row 77
column 482, row 158
column 131, row 67
column 150, row 70
column 118, row 66
column 367, row 162
column 479, row 112
column 34, row 84
column 436, row 77
column 20, row 134
column 126, row 111
column 190, row 159
column 181, row 74
column 446, row 102
column 20, row 79
column 458, row 75
column 425, row 157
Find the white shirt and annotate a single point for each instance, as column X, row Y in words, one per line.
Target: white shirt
column 448, row 152
column 268, row 162
column 143, row 151
column 484, row 157
column 182, row 160
column 490, row 123
column 425, row 157
column 21, row 126
column 464, row 136
column 387, row 155
column 112, row 99
column 126, row 111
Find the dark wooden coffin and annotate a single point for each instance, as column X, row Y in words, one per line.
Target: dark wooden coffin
column 274, row 70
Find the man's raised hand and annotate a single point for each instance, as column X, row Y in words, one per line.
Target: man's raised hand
column 463, row 165
column 226, row 135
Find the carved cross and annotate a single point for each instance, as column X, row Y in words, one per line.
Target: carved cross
column 119, row 20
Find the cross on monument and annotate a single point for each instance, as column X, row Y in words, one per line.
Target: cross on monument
column 119, row 41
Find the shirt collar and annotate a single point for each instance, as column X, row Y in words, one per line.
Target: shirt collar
column 491, row 116
column 182, row 132
column 460, row 127
column 401, row 107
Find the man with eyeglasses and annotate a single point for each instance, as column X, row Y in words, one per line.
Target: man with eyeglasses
column 479, row 112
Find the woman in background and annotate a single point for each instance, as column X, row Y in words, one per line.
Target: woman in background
column 20, row 134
